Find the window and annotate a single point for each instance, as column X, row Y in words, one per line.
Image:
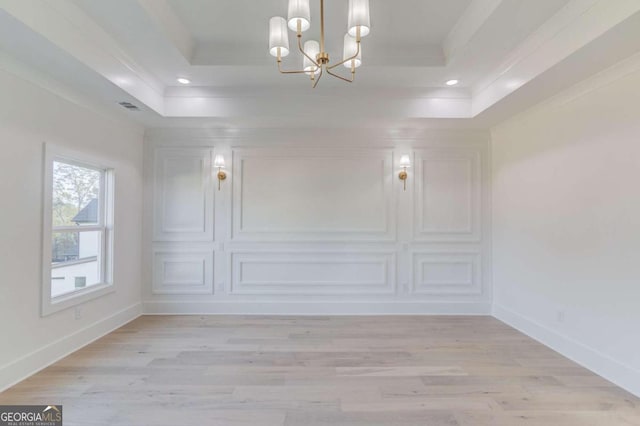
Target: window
column 78, row 229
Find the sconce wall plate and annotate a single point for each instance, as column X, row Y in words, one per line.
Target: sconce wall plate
column 219, row 164
column 405, row 162
column 403, row 177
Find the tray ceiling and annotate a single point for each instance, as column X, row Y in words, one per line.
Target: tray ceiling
column 503, row 52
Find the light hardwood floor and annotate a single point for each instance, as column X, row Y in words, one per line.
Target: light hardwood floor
column 307, row 371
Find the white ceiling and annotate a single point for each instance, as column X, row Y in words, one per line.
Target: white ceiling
column 499, row 50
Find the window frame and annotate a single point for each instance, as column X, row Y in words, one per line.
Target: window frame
column 105, row 226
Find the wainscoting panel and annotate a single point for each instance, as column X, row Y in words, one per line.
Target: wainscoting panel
column 183, row 196
column 310, row 195
column 182, row 272
column 448, row 195
column 441, row 273
column 322, row 227
column 294, row 273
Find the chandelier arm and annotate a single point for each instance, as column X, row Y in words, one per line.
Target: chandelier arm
column 289, row 72
column 292, row 71
column 346, row 60
column 318, row 79
column 313, row 61
column 279, row 60
column 353, row 75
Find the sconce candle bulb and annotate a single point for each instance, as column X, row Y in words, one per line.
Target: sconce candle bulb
column 405, row 163
column 218, row 162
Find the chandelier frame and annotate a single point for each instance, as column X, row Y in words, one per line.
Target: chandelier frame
column 321, row 61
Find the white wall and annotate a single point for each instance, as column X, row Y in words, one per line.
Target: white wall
column 317, row 222
column 29, row 116
column 566, row 218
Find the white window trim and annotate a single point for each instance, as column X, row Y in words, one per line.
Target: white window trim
column 51, row 305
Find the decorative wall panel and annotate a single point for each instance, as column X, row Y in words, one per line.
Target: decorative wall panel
column 182, row 272
column 441, row 273
column 301, row 225
column 448, row 195
column 183, row 196
column 307, row 195
column 291, row 273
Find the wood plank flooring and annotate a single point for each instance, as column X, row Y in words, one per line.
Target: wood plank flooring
column 312, row 371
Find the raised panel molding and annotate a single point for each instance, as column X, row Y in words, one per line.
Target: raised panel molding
column 304, row 194
column 182, row 272
column 183, row 195
column 448, row 199
column 322, row 273
column 302, row 229
column 446, row 273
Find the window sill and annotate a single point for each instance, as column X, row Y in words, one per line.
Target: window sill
column 66, row 301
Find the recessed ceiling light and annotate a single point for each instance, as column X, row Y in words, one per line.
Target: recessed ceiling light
column 452, row 82
column 182, row 80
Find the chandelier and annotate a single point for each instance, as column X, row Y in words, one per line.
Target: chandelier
column 315, row 59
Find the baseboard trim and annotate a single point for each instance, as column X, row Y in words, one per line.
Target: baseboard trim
column 316, row 308
column 28, row 365
column 591, row 359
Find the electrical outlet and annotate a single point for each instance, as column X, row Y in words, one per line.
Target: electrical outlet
column 77, row 312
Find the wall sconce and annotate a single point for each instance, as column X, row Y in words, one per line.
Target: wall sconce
column 405, row 163
column 219, row 163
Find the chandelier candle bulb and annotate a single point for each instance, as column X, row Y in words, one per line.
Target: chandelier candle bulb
column 359, row 17
column 312, row 49
column 299, row 11
column 350, row 49
column 278, row 37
